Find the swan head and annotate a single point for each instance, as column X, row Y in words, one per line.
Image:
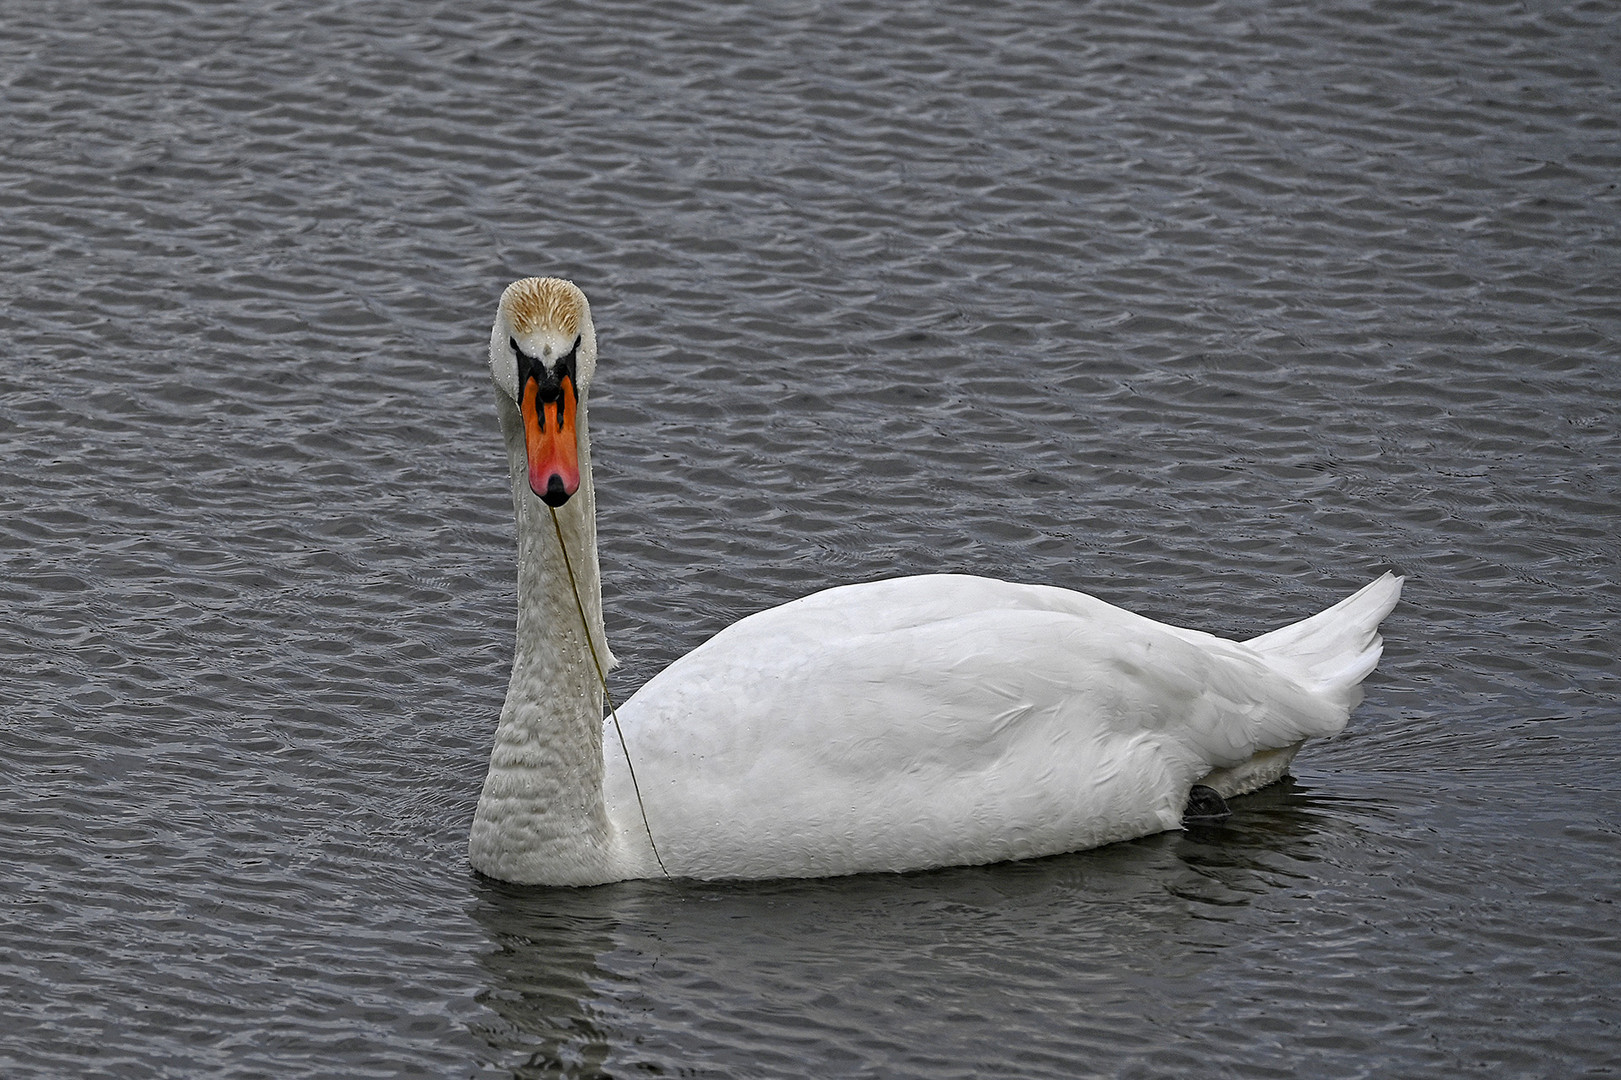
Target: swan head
column 543, row 352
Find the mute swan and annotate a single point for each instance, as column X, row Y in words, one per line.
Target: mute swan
column 894, row 725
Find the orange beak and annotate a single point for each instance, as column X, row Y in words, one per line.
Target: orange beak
column 549, row 442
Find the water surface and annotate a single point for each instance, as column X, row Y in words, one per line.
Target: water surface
column 1216, row 310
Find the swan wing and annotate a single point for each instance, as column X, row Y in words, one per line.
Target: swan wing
column 934, row 721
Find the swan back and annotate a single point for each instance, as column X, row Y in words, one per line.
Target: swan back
column 941, row 720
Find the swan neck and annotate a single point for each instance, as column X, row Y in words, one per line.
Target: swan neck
column 541, row 817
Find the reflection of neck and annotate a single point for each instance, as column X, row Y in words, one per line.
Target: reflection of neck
column 543, row 975
column 541, row 816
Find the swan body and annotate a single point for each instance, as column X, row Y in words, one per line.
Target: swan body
column 893, row 725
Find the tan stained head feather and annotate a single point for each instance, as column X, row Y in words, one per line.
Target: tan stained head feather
column 544, row 303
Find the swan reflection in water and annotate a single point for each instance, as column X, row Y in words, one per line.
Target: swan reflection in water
column 883, row 974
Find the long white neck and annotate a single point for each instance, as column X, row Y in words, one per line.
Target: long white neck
column 541, row 817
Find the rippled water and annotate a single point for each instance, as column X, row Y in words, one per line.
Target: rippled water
column 1213, row 309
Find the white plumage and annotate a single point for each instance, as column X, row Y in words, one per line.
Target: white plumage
column 894, row 725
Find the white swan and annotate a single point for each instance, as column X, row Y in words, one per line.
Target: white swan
column 895, row 725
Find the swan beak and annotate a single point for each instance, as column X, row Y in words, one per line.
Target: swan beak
column 549, row 441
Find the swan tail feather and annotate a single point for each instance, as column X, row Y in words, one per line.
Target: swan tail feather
column 1334, row 650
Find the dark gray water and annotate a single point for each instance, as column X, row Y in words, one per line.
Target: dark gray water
column 1215, row 310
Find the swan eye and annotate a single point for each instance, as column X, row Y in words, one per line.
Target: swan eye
column 525, row 361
